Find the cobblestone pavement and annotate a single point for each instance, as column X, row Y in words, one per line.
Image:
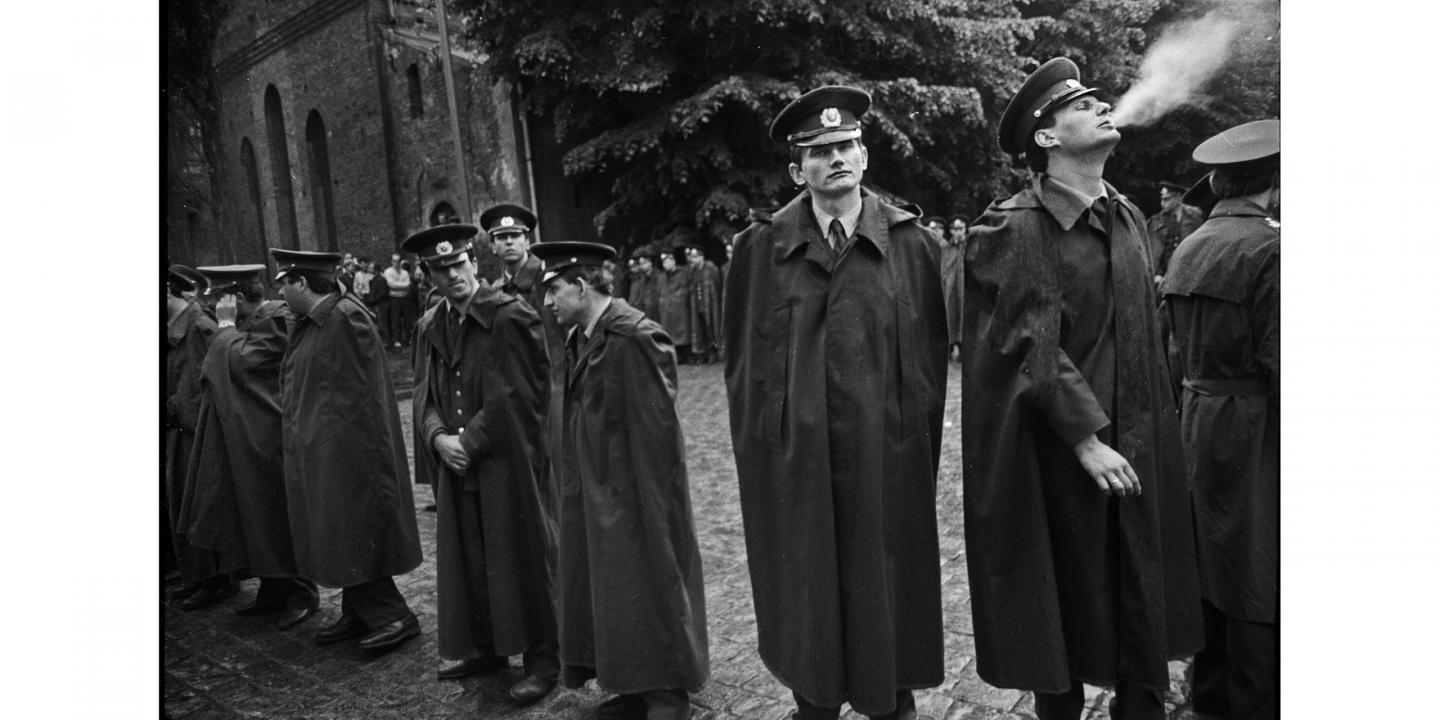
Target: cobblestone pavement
column 220, row 665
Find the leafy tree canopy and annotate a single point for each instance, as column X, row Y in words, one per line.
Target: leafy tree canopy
column 668, row 102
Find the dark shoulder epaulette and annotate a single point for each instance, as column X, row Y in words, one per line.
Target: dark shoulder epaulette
column 763, row 215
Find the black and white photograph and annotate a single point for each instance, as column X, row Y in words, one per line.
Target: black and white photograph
column 734, row 360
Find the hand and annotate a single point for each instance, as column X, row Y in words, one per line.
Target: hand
column 225, row 309
column 1109, row 469
column 452, row 453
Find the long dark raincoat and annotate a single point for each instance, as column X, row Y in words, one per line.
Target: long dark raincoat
column 526, row 286
column 1223, row 297
column 1061, row 341
column 836, row 377
column 672, row 291
column 498, row 381
column 705, row 292
column 347, row 478
column 632, row 597
column 187, row 339
column 237, row 506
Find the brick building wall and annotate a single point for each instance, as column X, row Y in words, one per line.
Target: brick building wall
column 348, row 62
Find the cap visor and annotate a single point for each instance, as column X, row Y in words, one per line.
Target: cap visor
column 448, row 260
column 826, row 138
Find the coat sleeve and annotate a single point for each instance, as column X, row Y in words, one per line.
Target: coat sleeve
column 1015, row 272
column 522, row 370
column 1265, row 322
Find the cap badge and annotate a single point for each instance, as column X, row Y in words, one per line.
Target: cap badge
column 507, row 221
column 443, row 247
column 830, row 117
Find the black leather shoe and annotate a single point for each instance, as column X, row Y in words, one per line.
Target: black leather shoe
column 346, row 627
column 530, row 689
column 622, row 707
column 391, row 634
column 207, row 596
column 451, row 669
column 294, row 616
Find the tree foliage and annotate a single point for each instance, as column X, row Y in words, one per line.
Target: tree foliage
column 668, row 103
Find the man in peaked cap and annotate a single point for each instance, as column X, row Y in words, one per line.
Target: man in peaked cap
column 235, row 500
column 347, row 479
column 1222, row 296
column 631, row 595
column 835, row 339
column 644, row 291
column 509, row 226
column 704, row 304
column 1173, row 223
column 672, row 292
column 1081, row 560
column 188, row 330
column 481, row 391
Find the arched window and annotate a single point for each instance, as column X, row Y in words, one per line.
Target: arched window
column 417, row 100
column 443, row 214
column 252, row 184
column 280, row 169
column 320, row 192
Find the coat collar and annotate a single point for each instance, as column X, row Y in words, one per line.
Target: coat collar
column 617, row 318
column 482, row 309
column 529, row 273
column 323, row 309
column 795, row 223
column 180, row 325
column 1062, row 204
column 1238, row 207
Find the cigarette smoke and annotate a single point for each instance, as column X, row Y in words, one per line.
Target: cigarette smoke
column 1176, row 69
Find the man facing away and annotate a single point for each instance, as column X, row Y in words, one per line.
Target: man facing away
column 237, row 507
column 1081, row 560
column 1222, row 295
column 481, row 388
column 631, row 595
column 835, row 368
column 188, row 331
column 347, row 478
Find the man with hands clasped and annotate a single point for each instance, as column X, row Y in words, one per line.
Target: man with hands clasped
column 481, row 388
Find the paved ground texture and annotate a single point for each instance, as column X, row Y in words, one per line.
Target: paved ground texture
column 219, row 665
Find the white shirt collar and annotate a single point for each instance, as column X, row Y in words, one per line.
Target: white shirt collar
column 848, row 221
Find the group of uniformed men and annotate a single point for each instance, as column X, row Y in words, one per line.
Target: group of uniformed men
column 685, row 299
column 1110, row 525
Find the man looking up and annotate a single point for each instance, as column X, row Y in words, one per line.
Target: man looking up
column 481, row 388
column 835, row 368
column 1081, row 558
column 347, row 477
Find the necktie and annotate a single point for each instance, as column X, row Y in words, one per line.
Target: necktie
column 836, row 236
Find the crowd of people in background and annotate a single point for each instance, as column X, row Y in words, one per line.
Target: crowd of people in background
column 1119, row 427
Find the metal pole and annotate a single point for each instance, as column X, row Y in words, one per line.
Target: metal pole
column 454, row 114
